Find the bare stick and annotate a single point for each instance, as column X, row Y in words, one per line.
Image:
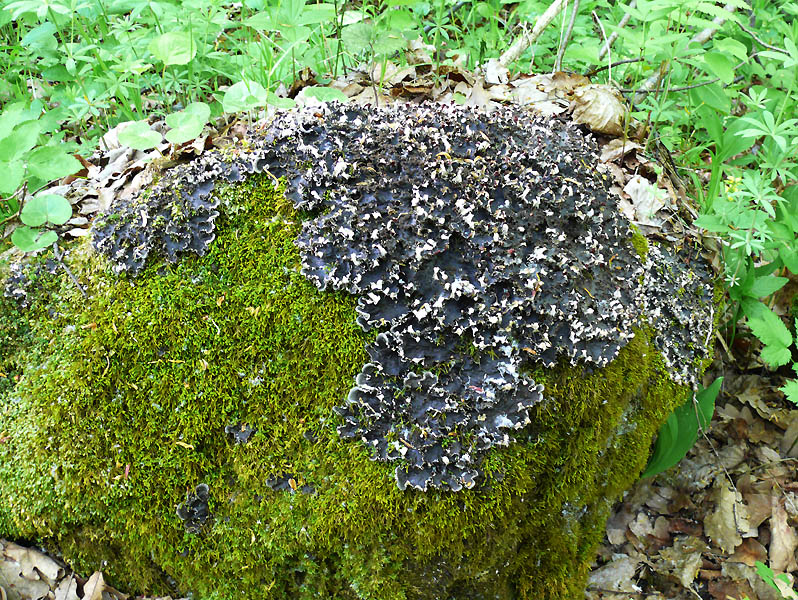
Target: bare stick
column 760, row 42
column 564, row 43
column 59, row 256
column 625, row 61
column 614, row 35
column 603, row 37
column 700, row 38
column 528, row 38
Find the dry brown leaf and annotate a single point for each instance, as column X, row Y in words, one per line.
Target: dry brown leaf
column 67, row 589
column 495, row 73
column 26, row 573
column 725, row 589
column 617, row 148
column 788, row 445
column 600, row 107
column 729, row 519
column 646, row 199
column 783, row 539
column 749, row 552
column 682, row 561
column 759, row 508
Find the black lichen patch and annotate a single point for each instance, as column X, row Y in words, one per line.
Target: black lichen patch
column 447, row 224
column 240, row 433
column 194, row 512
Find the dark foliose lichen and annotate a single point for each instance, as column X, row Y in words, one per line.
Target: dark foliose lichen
column 447, row 225
column 195, row 512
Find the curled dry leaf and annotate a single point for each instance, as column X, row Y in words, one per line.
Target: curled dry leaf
column 600, row 107
column 646, row 199
column 783, row 539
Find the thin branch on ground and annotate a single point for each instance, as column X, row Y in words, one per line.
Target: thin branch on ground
column 59, row 256
column 737, row 79
column 566, row 39
column 700, row 38
column 760, row 42
column 514, row 52
column 614, row 35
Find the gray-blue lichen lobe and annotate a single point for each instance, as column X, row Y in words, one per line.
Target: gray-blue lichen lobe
column 476, row 245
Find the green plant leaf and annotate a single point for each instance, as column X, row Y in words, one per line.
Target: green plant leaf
column 789, row 257
column 678, row 434
column 47, row 208
column 29, row 239
column 13, row 175
column 173, row 48
column 52, row 162
column 765, row 286
column 188, row 123
column 275, row 100
column 244, row 95
column 357, row 37
column 720, row 65
column 772, row 332
column 790, row 389
column 20, row 141
column 139, row 136
column 325, row 94
column 713, row 96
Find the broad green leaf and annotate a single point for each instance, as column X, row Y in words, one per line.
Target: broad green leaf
column 713, row 96
column 188, row 123
column 389, row 42
column 357, row 37
column 13, row 175
column 28, row 239
column 765, row 286
column 21, row 139
column 47, row 208
column 262, row 22
column 315, row 14
column 295, row 35
column 51, row 162
column 790, row 389
column 720, row 65
column 275, row 100
column 173, row 48
column 678, row 434
column 139, row 136
column 244, row 95
column 789, row 257
column 325, row 94
column 731, row 47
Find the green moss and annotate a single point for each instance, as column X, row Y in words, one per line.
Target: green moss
column 122, row 401
column 639, row 242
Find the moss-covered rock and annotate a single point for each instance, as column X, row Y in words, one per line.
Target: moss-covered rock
column 178, row 429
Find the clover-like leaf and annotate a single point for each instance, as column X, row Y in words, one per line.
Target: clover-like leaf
column 29, row 239
column 173, row 48
column 188, row 123
column 244, row 95
column 139, row 136
column 325, row 94
column 47, row 208
column 51, row 162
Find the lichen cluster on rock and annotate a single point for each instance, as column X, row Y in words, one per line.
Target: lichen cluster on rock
column 482, row 244
column 326, row 282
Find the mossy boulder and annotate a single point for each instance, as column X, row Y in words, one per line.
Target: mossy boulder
column 185, row 426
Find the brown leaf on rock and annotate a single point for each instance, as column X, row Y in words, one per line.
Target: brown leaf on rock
column 617, row 148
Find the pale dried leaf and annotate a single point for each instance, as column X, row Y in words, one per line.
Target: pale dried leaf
column 93, row 588
column 786, row 587
column 646, row 199
column 419, row 53
column 783, row 539
column 729, row 519
column 788, row 446
column 682, row 561
column 641, row 526
column 67, row 589
column 495, row 73
column 600, row 107
column 616, row 575
column 617, row 148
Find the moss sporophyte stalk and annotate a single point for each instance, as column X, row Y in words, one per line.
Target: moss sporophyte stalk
column 420, row 424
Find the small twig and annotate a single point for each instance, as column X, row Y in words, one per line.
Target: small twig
column 700, row 38
column 59, row 256
column 625, row 61
column 604, row 37
column 760, row 42
column 518, row 47
column 564, row 43
column 614, row 35
column 737, row 79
